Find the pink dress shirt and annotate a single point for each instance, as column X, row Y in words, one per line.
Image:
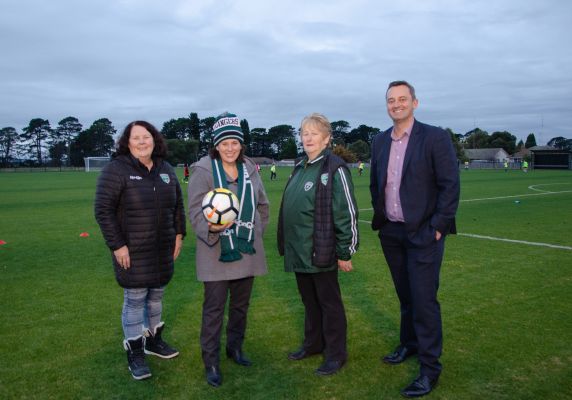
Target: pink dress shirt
column 393, row 209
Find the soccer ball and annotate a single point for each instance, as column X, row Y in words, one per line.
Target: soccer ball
column 220, row 206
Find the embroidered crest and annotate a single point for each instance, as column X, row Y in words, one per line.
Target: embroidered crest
column 324, row 179
column 308, row 186
column 165, row 178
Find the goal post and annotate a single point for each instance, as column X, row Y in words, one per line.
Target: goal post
column 95, row 163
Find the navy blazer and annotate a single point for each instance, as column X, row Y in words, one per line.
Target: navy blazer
column 430, row 186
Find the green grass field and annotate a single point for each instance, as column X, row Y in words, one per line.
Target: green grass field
column 507, row 306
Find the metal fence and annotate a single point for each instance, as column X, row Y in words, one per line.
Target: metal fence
column 43, row 169
column 486, row 164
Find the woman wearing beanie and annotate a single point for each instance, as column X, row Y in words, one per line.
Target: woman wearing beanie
column 228, row 257
column 317, row 235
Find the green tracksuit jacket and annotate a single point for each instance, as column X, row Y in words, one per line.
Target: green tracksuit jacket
column 298, row 216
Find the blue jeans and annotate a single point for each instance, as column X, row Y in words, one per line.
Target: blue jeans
column 141, row 310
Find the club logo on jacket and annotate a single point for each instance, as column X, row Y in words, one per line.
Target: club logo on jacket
column 308, row 186
column 165, row 178
column 324, row 179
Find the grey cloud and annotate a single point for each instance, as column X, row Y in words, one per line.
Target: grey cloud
column 500, row 65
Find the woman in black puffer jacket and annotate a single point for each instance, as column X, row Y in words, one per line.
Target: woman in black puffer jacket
column 139, row 208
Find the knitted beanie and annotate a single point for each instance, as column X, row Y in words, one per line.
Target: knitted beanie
column 227, row 126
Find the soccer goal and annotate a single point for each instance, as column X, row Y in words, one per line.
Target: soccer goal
column 95, row 163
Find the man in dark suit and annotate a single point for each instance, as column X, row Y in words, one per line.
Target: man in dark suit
column 415, row 193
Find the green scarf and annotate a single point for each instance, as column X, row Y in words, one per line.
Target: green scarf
column 240, row 237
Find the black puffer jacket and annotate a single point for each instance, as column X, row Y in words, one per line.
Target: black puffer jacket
column 144, row 210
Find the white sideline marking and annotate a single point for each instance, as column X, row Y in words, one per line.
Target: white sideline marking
column 531, row 187
column 534, row 187
column 517, row 195
column 554, row 246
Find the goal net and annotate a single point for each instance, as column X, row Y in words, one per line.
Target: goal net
column 95, row 163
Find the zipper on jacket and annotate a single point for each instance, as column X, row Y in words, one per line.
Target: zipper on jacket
column 157, row 230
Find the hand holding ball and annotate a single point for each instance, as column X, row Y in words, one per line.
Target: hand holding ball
column 220, row 206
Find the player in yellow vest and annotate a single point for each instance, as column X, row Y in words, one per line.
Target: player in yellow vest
column 273, row 172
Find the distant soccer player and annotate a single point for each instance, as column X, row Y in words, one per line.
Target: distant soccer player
column 186, row 173
column 273, row 172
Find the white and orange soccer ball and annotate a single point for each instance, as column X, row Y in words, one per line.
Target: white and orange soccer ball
column 220, row 206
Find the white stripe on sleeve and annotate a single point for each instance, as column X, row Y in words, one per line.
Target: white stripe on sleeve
column 351, row 209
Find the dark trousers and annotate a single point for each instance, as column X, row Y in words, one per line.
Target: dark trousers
column 325, row 322
column 213, row 314
column 415, row 273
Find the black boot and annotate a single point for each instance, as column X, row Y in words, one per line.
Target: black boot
column 156, row 346
column 136, row 358
column 214, row 376
column 238, row 357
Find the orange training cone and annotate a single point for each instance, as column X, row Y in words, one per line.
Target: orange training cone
column 84, row 234
column 2, row 243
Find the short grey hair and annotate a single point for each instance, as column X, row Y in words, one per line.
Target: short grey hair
column 318, row 120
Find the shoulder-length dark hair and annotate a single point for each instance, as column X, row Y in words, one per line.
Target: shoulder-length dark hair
column 213, row 153
column 160, row 147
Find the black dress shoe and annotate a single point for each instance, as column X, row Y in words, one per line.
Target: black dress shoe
column 238, row 357
column 214, row 377
column 421, row 386
column 300, row 354
column 330, row 367
column 400, row 354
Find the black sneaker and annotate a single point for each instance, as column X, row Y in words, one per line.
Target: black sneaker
column 156, row 346
column 136, row 359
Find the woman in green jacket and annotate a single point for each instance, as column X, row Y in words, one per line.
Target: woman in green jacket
column 317, row 235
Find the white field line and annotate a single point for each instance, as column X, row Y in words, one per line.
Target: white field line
column 535, row 187
column 554, row 246
column 516, row 195
column 542, row 193
column 532, row 187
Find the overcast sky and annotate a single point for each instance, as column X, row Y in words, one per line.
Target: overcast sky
column 496, row 65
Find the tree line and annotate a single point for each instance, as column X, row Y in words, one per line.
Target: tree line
column 479, row 139
column 189, row 138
